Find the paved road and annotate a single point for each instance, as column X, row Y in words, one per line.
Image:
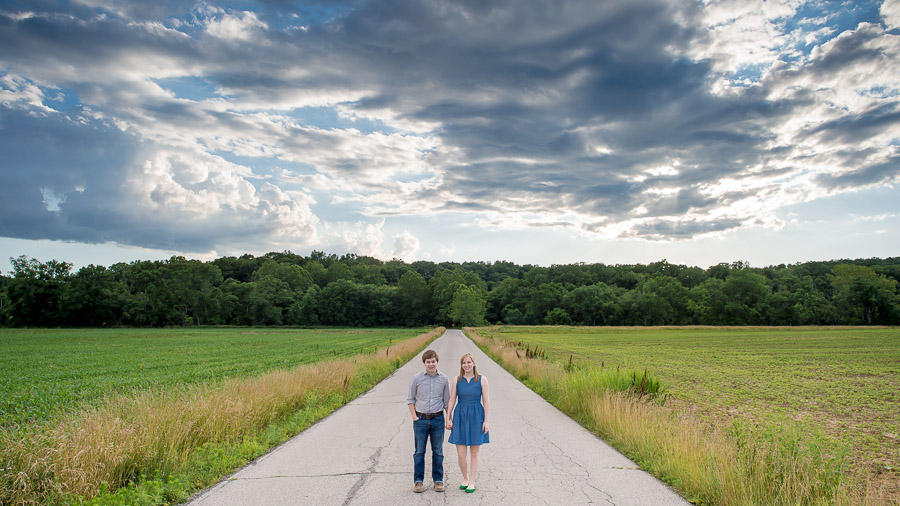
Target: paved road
column 362, row 454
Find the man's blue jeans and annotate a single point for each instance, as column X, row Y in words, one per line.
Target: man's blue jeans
column 424, row 429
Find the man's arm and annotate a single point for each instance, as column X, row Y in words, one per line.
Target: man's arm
column 411, row 398
column 446, row 394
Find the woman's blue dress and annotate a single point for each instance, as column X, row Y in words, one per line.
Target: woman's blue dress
column 468, row 416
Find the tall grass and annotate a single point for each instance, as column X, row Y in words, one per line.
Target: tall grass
column 743, row 466
column 156, row 432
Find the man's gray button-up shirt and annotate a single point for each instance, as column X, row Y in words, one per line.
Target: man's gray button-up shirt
column 430, row 394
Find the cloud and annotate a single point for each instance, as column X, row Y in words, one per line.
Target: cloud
column 406, row 246
column 242, row 27
column 200, row 128
column 115, row 187
column 878, row 173
column 890, row 11
column 680, row 229
column 365, row 239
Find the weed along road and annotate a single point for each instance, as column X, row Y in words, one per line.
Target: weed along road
column 362, row 454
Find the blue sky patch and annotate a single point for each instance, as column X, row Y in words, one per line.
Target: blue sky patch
column 189, row 87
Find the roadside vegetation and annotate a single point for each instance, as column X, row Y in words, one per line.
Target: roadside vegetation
column 158, row 443
column 742, row 416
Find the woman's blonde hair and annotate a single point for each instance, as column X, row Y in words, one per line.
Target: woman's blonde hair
column 474, row 367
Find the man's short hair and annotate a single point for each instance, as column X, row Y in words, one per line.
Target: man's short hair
column 430, row 354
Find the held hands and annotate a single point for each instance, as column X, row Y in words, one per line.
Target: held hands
column 449, row 424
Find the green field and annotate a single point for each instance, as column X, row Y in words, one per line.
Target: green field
column 845, row 381
column 50, row 370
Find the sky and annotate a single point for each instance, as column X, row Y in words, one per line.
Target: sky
column 531, row 131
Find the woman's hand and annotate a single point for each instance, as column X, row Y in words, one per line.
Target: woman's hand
column 484, row 427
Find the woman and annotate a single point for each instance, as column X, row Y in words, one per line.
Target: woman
column 469, row 421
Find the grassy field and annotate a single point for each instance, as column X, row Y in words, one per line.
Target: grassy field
column 843, row 381
column 147, row 417
column 45, row 371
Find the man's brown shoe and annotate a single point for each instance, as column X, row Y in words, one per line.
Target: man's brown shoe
column 439, row 487
column 418, row 488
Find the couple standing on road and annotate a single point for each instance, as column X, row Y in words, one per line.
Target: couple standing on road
column 431, row 393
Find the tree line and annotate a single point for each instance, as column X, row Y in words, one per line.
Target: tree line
column 352, row 290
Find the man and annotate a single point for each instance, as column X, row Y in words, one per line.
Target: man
column 429, row 393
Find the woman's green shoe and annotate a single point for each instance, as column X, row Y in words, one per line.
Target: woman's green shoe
column 463, row 487
column 470, row 489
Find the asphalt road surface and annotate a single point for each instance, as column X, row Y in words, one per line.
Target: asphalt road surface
column 362, row 454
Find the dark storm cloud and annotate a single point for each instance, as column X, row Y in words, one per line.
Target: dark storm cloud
column 35, row 159
column 886, row 172
column 849, row 48
column 87, row 164
column 596, row 109
column 853, row 128
column 662, row 229
column 678, row 204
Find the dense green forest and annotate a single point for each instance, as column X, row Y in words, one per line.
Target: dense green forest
column 351, row 290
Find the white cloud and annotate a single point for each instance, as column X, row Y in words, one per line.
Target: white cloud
column 743, row 33
column 199, row 190
column 890, row 12
column 245, row 26
column 405, row 246
column 365, row 238
column 16, row 91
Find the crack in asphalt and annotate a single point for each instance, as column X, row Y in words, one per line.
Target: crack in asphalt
column 357, row 473
column 562, row 460
column 373, row 459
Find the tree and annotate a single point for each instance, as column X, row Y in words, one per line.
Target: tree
column 707, row 302
column 509, row 297
column 467, row 307
column 443, row 287
column 238, row 268
column 338, row 271
column 414, row 299
column 4, row 301
column 673, row 299
column 339, row 303
column 558, row 316
column 305, row 311
column 193, row 284
column 543, row 299
column 691, row 277
column 237, row 302
column 596, row 304
column 317, row 272
column 863, row 296
column 94, row 297
column 393, row 270
column 512, row 316
column 746, row 296
column 295, row 276
column 368, row 274
column 644, row 307
column 34, row 292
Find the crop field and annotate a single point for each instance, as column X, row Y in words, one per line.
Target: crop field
column 46, row 371
column 842, row 382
